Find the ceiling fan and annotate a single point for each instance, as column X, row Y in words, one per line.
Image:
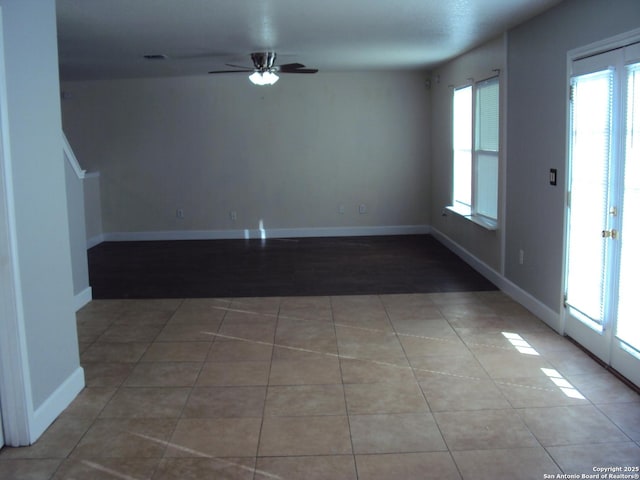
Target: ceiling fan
column 265, row 70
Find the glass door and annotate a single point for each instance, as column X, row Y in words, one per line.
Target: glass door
column 603, row 230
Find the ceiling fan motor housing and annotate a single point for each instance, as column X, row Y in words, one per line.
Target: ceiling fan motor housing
column 263, row 61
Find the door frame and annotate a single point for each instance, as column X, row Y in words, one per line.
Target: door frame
column 582, row 333
column 15, row 385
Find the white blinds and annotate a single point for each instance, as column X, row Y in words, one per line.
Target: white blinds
column 628, row 326
column 590, row 144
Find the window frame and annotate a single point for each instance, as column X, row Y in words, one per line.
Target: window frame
column 471, row 212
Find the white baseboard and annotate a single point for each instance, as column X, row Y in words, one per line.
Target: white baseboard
column 535, row 306
column 93, row 241
column 82, row 298
column 53, row 406
column 267, row 233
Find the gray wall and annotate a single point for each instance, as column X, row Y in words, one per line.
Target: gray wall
column 41, row 221
column 288, row 154
column 537, row 113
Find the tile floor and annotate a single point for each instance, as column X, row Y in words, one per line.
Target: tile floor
column 416, row 386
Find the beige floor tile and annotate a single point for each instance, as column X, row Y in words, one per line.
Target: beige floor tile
column 603, row 388
column 386, row 397
column 233, row 374
column 453, row 298
column 239, row 351
column 306, row 308
column 209, row 319
column 421, row 347
column 283, row 352
column 512, row 364
column 237, row 317
column 323, row 435
column 472, row 430
column 334, row 467
column 149, row 318
column 163, row 374
column 521, row 463
column 626, row 416
column 125, row 438
column 305, row 372
column 106, row 374
column 187, row 332
column 137, row 402
column 151, row 304
column 90, row 402
column 580, row 459
column 547, row 341
column 263, row 305
column 573, row 362
column 368, row 344
column 255, row 332
column 432, row 328
column 215, row 437
column 205, row 468
column 395, row 433
column 412, row 312
column 176, row 352
column 107, row 468
column 407, row 466
column 364, row 371
column 487, row 322
column 56, row 442
column 555, row 426
column 305, row 400
column 462, row 365
column 90, row 332
column 219, row 402
column 114, row 352
column 524, row 392
column 22, row 469
column 204, row 303
column 446, row 393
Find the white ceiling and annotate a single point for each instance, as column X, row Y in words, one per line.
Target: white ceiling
column 108, row 38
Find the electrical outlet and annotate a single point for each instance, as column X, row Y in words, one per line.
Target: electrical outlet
column 521, row 257
column 233, row 215
column 180, row 213
column 341, row 209
column 362, row 209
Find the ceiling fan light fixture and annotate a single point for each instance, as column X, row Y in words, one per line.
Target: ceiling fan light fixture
column 263, row 78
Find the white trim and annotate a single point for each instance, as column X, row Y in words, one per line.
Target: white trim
column 71, row 157
column 267, row 233
column 82, row 298
column 97, row 240
column 15, row 378
column 535, row 306
column 55, row 404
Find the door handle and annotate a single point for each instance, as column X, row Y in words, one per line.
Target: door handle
column 613, row 234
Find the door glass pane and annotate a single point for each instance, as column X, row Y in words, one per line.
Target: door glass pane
column 590, row 152
column 628, row 302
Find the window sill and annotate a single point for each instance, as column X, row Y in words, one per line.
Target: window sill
column 483, row 222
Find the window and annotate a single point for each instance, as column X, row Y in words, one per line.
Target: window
column 476, row 150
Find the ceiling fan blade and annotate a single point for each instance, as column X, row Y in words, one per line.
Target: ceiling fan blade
column 301, row 70
column 230, row 71
column 290, row 66
column 248, row 69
